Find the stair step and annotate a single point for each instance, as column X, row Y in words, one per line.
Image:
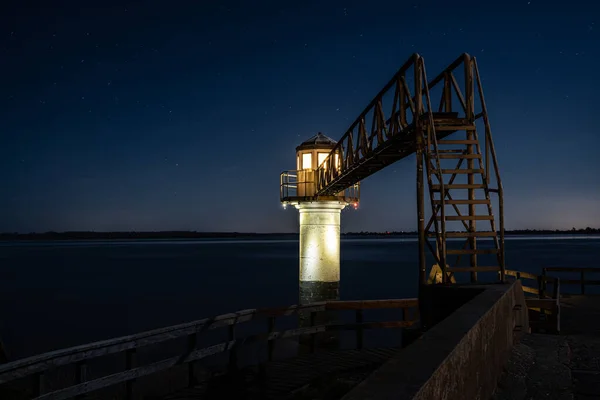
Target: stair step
column 466, row 217
column 472, row 234
column 447, row 141
column 461, row 201
column 456, row 156
column 439, row 128
column 466, row 234
column 471, row 251
column 457, row 151
column 459, row 186
column 458, row 171
column 473, row 269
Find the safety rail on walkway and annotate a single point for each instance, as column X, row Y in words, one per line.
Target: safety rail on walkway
column 35, row 368
column 544, row 311
column 584, row 273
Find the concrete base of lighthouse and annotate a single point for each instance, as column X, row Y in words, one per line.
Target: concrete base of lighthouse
column 319, row 263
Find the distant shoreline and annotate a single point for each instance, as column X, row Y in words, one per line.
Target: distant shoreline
column 243, row 235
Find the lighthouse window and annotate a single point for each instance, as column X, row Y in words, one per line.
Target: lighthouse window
column 307, row 161
column 321, row 157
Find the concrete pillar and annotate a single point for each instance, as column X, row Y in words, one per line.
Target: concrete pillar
column 320, row 260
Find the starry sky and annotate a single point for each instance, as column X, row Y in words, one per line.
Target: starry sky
column 156, row 115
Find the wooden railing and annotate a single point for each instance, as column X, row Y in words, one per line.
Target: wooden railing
column 526, row 276
column 35, row 368
column 544, row 311
column 582, row 271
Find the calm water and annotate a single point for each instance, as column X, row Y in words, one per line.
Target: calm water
column 54, row 295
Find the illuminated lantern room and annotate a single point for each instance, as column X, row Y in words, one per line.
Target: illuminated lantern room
column 312, row 157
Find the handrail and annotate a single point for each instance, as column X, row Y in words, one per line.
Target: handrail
column 345, row 147
column 289, row 186
column 36, row 366
column 546, row 311
column 540, row 279
column 581, row 270
column 525, row 275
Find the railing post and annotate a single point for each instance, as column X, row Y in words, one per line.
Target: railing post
column 80, row 375
column 541, row 291
column 404, row 315
column 233, row 349
column 39, row 384
column 129, row 364
column 313, row 336
column 359, row 329
column 582, row 281
column 556, row 294
column 191, row 346
column 271, row 343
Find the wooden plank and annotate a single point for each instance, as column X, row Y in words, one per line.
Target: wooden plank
column 524, row 275
column 471, row 251
column 458, row 171
column 530, row 290
column 579, row 281
column 372, row 304
column 459, row 186
column 572, row 269
column 371, row 325
column 444, row 141
column 287, row 375
column 441, row 128
column 461, row 201
column 470, row 234
column 467, row 217
column 458, row 156
column 546, row 304
column 131, row 374
column 475, row 269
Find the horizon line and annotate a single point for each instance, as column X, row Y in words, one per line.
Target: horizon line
column 263, row 233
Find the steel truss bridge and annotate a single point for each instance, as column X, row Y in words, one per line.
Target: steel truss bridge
column 412, row 114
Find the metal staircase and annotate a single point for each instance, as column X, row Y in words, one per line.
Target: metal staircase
column 462, row 171
column 458, row 181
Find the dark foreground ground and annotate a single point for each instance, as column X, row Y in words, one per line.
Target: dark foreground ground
column 541, row 366
column 565, row 366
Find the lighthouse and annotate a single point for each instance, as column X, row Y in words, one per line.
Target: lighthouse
column 319, row 217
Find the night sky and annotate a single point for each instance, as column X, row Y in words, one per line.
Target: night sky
column 180, row 115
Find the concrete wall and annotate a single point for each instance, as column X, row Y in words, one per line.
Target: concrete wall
column 461, row 357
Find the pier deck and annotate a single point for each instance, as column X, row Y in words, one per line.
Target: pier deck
column 565, row 366
column 325, row 374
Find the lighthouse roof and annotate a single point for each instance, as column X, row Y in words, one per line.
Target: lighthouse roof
column 319, row 141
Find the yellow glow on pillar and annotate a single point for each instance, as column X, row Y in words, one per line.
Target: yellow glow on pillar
column 320, row 241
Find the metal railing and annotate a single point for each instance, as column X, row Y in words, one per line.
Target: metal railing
column 293, row 189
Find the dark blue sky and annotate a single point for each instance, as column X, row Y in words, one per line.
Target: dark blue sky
column 155, row 115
